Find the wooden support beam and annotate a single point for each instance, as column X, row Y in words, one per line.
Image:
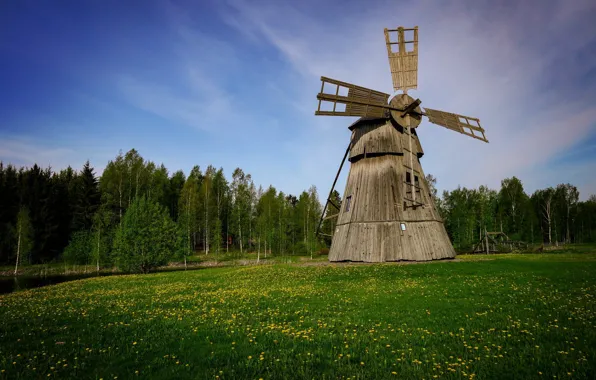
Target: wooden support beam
column 331, row 216
column 333, row 187
column 333, row 204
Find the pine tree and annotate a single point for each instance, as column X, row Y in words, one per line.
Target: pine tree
column 87, row 199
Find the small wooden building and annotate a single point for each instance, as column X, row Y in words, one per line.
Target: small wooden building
column 388, row 213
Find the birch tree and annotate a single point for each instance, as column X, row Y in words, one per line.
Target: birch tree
column 188, row 213
column 547, row 200
column 569, row 195
column 24, row 236
column 241, row 198
column 220, row 186
column 101, row 222
column 207, row 203
column 512, row 196
column 113, row 185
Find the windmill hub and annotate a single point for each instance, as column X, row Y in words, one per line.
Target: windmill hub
column 410, row 119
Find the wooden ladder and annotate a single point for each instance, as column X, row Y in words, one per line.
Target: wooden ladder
column 411, row 187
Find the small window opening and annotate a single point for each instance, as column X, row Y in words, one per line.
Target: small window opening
column 417, row 184
column 348, row 201
column 408, row 178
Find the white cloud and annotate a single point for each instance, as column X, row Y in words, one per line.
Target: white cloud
column 199, row 106
column 21, row 152
column 493, row 64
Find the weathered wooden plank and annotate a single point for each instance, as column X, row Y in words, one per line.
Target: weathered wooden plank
column 371, row 230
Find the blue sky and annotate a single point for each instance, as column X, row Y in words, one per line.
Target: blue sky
column 233, row 84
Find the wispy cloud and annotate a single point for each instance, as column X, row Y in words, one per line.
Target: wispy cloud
column 21, row 152
column 516, row 68
column 187, row 87
column 193, row 90
column 199, row 106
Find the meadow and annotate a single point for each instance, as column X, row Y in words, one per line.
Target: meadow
column 499, row 316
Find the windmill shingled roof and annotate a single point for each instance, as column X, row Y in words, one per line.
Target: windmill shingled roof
column 363, row 119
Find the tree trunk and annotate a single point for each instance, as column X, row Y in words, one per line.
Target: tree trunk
column 98, row 247
column 240, row 230
column 219, row 219
column 556, row 236
column 120, row 197
column 550, row 239
column 137, row 186
column 568, row 235
column 206, row 224
column 188, row 229
column 16, row 267
column 307, row 231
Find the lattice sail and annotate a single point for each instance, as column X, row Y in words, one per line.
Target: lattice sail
column 469, row 126
column 403, row 57
column 357, row 101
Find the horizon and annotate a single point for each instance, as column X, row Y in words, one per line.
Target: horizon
column 232, row 85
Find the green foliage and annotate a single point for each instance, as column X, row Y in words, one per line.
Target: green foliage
column 231, row 214
column 175, row 188
column 86, row 199
column 189, row 206
column 147, row 237
column 80, row 248
column 549, row 215
column 328, row 225
column 23, row 232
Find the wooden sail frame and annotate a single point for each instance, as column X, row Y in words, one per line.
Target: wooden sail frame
column 403, row 63
column 359, row 101
column 469, row 126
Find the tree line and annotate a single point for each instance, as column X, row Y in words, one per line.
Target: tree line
column 551, row 215
column 78, row 218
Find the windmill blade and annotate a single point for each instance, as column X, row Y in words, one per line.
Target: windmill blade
column 463, row 124
column 403, row 58
column 359, row 101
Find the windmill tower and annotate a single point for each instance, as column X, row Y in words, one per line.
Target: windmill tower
column 388, row 213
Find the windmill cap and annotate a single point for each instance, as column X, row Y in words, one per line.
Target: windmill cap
column 365, row 120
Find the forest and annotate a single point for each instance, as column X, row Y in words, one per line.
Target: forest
column 79, row 218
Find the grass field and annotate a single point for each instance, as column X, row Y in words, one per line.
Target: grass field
column 505, row 316
column 199, row 260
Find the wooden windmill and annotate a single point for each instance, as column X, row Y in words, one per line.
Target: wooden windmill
column 388, row 213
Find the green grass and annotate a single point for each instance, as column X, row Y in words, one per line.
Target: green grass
column 233, row 258
column 502, row 316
